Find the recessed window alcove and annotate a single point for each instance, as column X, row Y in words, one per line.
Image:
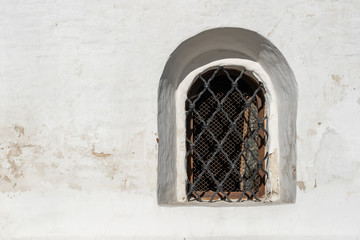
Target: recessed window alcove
column 236, row 50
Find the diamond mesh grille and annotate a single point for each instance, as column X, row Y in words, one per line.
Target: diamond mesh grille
column 225, row 137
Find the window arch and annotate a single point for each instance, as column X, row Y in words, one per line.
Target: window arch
column 230, row 47
column 225, row 136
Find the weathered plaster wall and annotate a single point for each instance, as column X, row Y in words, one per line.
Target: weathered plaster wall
column 78, row 107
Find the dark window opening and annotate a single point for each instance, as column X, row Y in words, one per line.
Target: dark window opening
column 226, row 137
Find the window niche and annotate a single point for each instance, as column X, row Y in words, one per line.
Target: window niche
column 237, row 51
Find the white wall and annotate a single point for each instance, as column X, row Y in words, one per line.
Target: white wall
column 78, row 105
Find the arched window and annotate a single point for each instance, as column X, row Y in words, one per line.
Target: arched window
column 226, row 136
column 226, row 133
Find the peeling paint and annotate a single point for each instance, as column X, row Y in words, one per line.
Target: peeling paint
column 310, row 15
column 301, row 185
column 15, row 168
column 59, row 155
column 336, row 78
column 15, row 150
column 41, row 168
column 75, row 186
column 19, row 129
column 274, row 162
column 53, row 165
column 6, row 179
column 334, row 91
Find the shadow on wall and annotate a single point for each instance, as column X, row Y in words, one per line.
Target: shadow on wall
column 213, row 45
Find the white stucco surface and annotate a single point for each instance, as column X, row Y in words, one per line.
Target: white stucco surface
column 78, row 107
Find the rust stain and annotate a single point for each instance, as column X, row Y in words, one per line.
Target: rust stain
column 301, row 185
column 99, row 154
column 319, row 123
column 157, row 140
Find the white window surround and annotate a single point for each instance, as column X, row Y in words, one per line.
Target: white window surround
column 228, row 47
column 271, row 113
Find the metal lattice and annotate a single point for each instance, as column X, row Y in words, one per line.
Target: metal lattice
column 226, row 137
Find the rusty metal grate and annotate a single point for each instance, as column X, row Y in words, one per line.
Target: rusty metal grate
column 225, row 137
